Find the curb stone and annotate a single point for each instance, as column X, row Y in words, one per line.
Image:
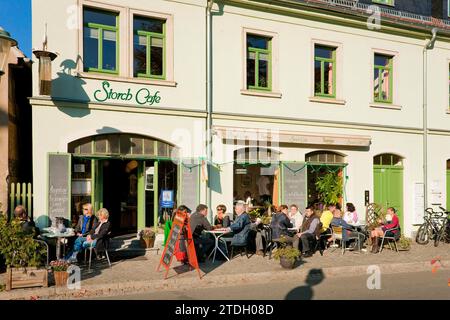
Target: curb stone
column 133, row 287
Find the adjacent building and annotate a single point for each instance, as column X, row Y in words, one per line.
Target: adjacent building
column 291, row 91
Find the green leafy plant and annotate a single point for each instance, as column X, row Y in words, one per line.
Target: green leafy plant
column 254, row 214
column 405, row 242
column 287, row 253
column 18, row 248
column 329, row 188
column 266, row 220
column 59, row 265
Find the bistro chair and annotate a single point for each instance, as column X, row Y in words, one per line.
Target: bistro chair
column 90, row 248
column 42, row 242
column 390, row 239
column 337, row 235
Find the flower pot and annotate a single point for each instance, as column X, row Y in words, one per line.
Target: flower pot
column 26, row 278
column 60, row 278
column 286, row 263
column 148, row 242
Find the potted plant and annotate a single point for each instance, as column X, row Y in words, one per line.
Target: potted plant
column 23, row 256
column 287, row 256
column 59, row 268
column 405, row 243
column 253, row 215
column 147, row 237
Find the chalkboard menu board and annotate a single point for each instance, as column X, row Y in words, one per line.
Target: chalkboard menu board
column 293, row 184
column 58, row 186
column 190, row 183
column 171, row 244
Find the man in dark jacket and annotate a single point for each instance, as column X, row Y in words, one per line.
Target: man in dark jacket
column 85, row 221
column 310, row 232
column 198, row 222
column 241, row 226
column 28, row 225
column 280, row 224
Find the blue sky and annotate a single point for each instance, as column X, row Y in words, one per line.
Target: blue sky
column 15, row 17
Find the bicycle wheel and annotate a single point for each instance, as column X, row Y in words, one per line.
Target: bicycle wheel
column 423, row 234
column 440, row 235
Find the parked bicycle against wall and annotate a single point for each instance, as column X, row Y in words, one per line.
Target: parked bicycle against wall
column 444, row 232
column 430, row 227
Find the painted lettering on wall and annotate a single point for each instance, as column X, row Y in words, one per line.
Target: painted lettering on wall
column 143, row 96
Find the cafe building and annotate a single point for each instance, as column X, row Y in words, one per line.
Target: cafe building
column 291, row 90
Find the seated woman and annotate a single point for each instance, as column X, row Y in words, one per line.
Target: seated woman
column 96, row 236
column 222, row 220
column 351, row 216
column 392, row 221
column 347, row 229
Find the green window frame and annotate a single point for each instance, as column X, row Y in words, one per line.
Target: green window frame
column 321, row 86
column 149, row 37
column 378, row 81
column 257, row 52
column 100, row 29
column 386, row 2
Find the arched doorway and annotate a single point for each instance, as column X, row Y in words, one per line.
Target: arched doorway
column 254, row 174
column 388, row 182
column 124, row 173
column 322, row 163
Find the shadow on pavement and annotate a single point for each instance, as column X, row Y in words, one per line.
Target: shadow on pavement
column 306, row 292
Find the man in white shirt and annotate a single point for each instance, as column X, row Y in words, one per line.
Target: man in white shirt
column 296, row 217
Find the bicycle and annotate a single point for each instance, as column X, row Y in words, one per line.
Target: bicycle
column 431, row 226
column 444, row 231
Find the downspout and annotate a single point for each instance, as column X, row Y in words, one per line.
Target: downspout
column 209, row 100
column 428, row 46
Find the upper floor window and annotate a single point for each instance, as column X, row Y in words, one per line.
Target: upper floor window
column 387, row 2
column 259, row 62
column 149, row 47
column 100, row 41
column 324, row 71
column 383, row 78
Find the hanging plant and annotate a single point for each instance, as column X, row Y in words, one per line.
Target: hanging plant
column 329, row 188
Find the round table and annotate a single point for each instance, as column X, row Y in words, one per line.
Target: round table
column 218, row 233
column 55, row 234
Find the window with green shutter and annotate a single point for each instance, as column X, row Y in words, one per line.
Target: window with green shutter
column 149, row 47
column 383, row 78
column 100, row 41
column 259, row 62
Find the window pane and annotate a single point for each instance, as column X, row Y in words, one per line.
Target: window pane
column 100, row 145
column 381, row 60
column 149, row 147
column 140, row 55
column 251, row 69
column 99, row 17
column 148, row 24
column 113, row 144
column 385, row 85
column 125, row 144
column 90, row 48
column 109, row 50
column 257, row 42
column 324, row 52
column 263, row 80
column 376, row 83
column 328, row 86
column 157, row 57
column 137, row 145
column 317, row 77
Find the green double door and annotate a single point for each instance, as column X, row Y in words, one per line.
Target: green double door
column 388, row 188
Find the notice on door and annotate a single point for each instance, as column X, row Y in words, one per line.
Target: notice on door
column 58, row 186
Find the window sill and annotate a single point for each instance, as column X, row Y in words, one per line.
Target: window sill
column 268, row 94
column 99, row 76
column 385, row 106
column 327, row 100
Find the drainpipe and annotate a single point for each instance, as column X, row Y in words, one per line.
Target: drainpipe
column 209, row 100
column 428, row 46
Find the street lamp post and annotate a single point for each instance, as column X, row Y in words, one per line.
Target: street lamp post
column 6, row 43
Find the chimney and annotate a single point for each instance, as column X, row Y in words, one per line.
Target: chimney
column 45, row 67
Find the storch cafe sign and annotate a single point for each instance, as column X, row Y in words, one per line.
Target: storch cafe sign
column 143, row 96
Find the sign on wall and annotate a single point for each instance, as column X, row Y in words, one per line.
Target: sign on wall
column 58, row 192
column 293, row 184
column 141, row 96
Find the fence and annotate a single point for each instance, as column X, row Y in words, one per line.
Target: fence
column 21, row 194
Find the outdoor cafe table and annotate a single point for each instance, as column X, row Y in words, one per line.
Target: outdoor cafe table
column 54, row 233
column 217, row 233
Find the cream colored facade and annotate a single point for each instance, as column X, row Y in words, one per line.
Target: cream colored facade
column 73, row 113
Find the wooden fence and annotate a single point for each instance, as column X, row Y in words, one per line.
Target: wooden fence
column 21, row 194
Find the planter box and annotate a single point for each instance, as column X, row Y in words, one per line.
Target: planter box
column 25, row 278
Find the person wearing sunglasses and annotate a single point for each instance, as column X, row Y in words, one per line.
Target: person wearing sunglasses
column 222, row 220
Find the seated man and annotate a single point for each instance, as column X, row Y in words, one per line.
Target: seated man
column 28, row 225
column 241, row 226
column 198, row 222
column 347, row 229
column 96, row 235
column 85, row 221
column 309, row 232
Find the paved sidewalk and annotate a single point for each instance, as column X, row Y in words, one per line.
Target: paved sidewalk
column 139, row 274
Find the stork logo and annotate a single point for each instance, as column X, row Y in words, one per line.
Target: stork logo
column 436, row 264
